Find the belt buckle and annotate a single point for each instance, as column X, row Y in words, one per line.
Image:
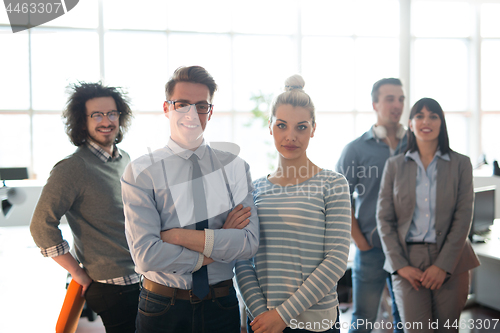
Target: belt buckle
column 191, row 298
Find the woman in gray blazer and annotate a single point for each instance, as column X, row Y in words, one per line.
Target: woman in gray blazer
column 424, row 215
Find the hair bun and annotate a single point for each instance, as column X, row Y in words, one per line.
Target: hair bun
column 294, row 82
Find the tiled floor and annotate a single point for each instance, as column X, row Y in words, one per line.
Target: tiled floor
column 477, row 313
column 86, row 326
column 474, row 312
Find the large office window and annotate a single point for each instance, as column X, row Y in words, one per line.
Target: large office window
column 340, row 47
column 490, row 85
column 440, row 62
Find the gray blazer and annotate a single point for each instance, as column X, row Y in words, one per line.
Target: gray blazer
column 454, row 201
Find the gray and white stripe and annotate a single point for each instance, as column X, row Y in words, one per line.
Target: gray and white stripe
column 304, row 245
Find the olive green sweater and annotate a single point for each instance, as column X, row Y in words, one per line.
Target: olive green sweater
column 86, row 190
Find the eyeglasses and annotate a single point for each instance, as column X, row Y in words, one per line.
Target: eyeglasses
column 183, row 107
column 99, row 116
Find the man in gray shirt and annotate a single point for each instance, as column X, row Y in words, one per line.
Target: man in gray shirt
column 184, row 220
column 85, row 187
column 362, row 163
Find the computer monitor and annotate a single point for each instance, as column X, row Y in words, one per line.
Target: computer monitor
column 13, row 173
column 484, row 210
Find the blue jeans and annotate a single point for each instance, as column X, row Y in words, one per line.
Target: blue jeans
column 164, row 314
column 396, row 318
column 117, row 305
column 368, row 280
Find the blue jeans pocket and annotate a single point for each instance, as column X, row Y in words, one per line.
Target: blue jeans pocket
column 151, row 304
column 228, row 302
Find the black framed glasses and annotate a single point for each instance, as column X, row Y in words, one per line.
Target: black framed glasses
column 99, row 116
column 183, row 107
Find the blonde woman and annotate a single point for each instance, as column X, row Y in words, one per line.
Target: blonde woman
column 304, row 214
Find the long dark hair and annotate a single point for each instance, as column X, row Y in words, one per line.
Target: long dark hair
column 75, row 113
column 433, row 106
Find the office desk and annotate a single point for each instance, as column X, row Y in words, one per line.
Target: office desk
column 486, row 280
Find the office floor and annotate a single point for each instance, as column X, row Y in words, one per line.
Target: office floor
column 476, row 312
column 32, row 290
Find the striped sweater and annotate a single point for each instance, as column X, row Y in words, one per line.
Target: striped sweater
column 304, row 245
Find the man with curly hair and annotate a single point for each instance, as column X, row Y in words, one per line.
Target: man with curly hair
column 85, row 187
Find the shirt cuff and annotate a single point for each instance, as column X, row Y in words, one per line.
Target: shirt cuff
column 209, row 243
column 123, row 280
column 57, row 250
column 199, row 263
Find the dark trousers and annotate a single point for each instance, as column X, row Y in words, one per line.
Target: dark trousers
column 159, row 314
column 117, row 305
column 334, row 329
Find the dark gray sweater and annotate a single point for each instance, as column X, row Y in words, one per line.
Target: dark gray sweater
column 88, row 192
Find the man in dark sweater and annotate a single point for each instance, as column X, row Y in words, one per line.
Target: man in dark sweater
column 85, row 187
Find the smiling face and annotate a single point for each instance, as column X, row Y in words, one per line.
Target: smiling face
column 186, row 129
column 426, row 126
column 105, row 132
column 390, row 105
column 291, row 129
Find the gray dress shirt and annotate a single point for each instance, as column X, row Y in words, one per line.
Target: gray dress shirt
column 157, row 196
column 362, row 163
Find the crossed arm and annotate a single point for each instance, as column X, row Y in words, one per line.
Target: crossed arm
column 194, row 240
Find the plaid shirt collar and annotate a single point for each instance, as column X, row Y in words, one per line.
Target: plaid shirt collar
column 101, row 153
